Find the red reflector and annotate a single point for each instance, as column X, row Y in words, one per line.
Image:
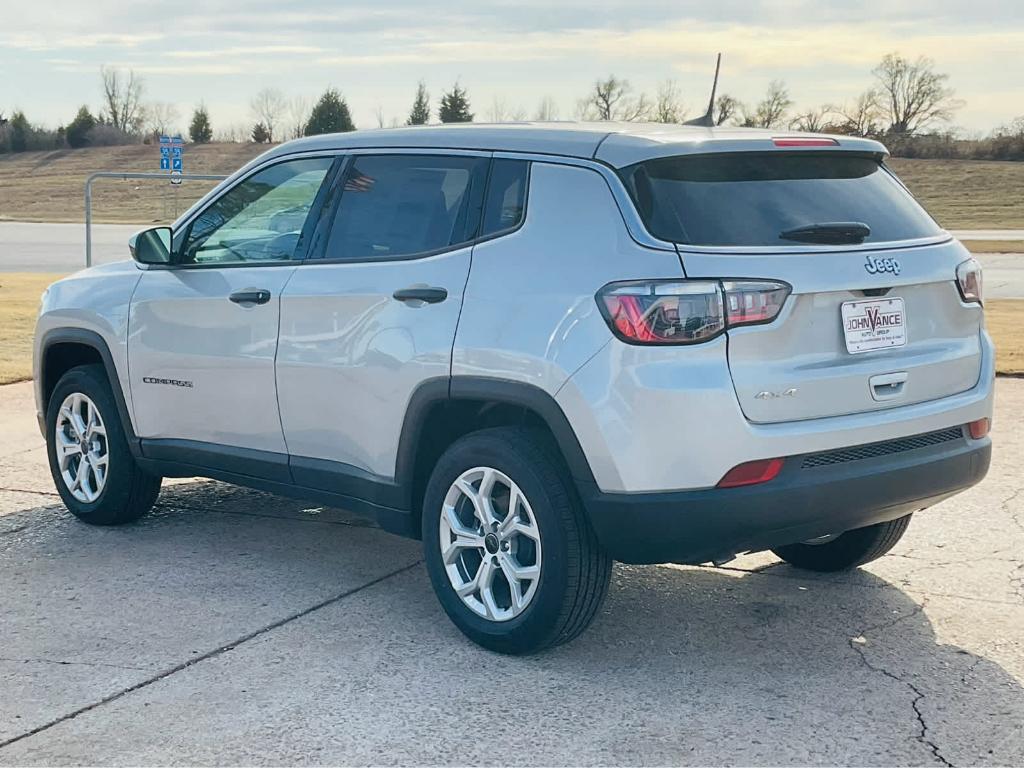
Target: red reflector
column 751, row 473
column 978, row 429
column 805, row 142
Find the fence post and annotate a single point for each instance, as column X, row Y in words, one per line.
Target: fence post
column 88, row 222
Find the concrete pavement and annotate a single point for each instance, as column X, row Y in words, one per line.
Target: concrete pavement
column 235, row 627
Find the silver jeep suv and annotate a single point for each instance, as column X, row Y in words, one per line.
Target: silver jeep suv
column 539, row 348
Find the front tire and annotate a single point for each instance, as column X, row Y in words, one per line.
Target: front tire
column 92, row 467
column 510, row 553
column 848, row 550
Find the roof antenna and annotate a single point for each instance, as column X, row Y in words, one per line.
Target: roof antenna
column 707, row 120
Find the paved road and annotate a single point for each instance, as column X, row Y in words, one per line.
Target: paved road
column 235, row 627
column 60, row 248
column 989, row 234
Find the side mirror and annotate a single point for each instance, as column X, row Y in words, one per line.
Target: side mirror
column 151, row 246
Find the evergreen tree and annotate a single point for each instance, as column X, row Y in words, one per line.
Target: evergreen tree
column 420, row 114
column 455, row 106
column 199, row 130
column 260, row 134
column 20, row 131
column 330, row 115
column 77, row 132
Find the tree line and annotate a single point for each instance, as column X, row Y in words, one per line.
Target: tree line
column 909, row 105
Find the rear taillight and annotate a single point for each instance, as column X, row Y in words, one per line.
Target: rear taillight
column 751, row 473
column 968, row 280
column 687, row 311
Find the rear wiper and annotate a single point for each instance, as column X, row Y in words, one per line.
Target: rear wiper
column 832, row 233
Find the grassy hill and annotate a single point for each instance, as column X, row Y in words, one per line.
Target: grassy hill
column 967, row 194
column 48, row 186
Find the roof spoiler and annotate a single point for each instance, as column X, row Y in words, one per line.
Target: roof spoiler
column 707, row 120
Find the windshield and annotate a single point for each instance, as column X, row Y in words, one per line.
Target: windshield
column 751, row 199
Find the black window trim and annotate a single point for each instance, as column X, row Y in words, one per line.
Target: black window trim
column 336, row 158
column 326, row 213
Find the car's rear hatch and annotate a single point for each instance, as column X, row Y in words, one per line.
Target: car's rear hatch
column 905, row 335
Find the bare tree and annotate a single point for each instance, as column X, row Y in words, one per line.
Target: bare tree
column 813, row 120
column 498, row 113
column 378, row 113
column 268, row 106
column 668, row 105
column 161, row 117
column 771, row 110
column 611, row 99
column 234, row 134
column 860, row 118
column 546, row 110
column 726, row 107
column 501, row 112
column 122, row 97
column 914, row 94
column 299, row 108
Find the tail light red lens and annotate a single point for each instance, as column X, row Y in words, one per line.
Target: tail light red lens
column 753, row 301
column 968, row 280
column 687, row 311
column 751, row 473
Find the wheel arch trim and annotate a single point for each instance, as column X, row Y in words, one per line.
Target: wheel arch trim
column 87, row 338
column 451, row 390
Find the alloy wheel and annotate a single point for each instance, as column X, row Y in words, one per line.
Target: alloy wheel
column 81, row 446
column 490, row 544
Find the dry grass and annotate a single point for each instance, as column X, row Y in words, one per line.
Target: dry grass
column 19, row 305
column 967, row 194
column 50, row 186
column 20, row 292
column 1005, row 320
column 994, row 246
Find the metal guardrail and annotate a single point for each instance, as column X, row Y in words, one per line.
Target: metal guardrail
column 126, row 176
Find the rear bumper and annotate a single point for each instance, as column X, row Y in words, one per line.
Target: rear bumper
column 802, row 502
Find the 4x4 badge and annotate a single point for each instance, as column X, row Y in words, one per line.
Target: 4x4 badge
column 875, row 266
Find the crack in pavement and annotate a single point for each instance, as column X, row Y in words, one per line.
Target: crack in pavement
column 74, row 663
column 208, row 655
column 918, row 695
column 26, row 490
column 1016, row 581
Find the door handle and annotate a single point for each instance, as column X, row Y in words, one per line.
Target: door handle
column 255, row 296
column 427, row 294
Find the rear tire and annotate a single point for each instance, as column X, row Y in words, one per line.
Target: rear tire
column 91, row 464
column 557, row 572
column 848, row 550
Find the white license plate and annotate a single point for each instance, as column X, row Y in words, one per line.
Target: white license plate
column 874, row 324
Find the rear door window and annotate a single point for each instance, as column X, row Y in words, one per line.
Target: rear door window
column 401, row 206
column 750, row 199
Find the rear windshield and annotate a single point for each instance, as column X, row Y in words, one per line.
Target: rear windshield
column 752, row 198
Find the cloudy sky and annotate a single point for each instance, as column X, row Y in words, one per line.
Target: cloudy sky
column 516, row 52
